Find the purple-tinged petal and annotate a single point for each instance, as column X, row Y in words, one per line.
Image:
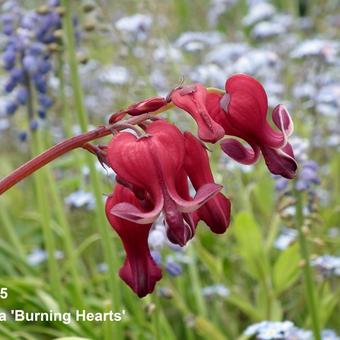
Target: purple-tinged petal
column 180, row 226
column 216, row 213
column 237, row 151
column 280, row 161
column 282, row 120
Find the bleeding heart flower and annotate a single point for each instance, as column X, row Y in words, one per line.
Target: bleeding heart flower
column 148, row 105
column 154, row 164
column 242, row 112
column 192, row 99
column 216, row 212
column 139, row 271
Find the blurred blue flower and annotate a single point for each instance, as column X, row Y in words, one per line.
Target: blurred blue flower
column 157, row 257
column 328, row 265
column 22, row 136
column 286, row 237
column 22, row 96
column 26, row 55
column 215, row 290
column 172, row 267
column 34, row 124
column 38, row 256
column 11, row 107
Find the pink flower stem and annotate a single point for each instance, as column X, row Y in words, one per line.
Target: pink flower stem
column 63, row 147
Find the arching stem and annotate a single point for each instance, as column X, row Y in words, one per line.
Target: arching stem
column 61, row 148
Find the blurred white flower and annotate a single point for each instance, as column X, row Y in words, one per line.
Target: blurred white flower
column 196, row 41
column 287, row 237
column 258, row 12
column 135, row 27
column 81, row 199
column 317, row 48
column 217, row 290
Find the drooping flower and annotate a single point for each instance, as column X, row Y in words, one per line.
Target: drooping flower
column 139, row 271
column 242, row 112
column 153, row 167
column 216, row 212
column 192, row 99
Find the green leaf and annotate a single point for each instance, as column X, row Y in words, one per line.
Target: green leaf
column 263, row 194
column 213, row 264
column 49, row 302
column 243, row 304
column 250, row 245
column 207, row 329
column 72, row 338
column 286, row 268
column 328, row 301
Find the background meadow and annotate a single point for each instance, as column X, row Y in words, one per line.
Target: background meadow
column 87, row 59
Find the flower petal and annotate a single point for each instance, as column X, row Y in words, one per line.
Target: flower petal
column 280, row 161
column 216, row 213
column 148, row 162
column 196, row 161
column 282, row 119
column 139, row 271
column 148, row 105
column 181, row 227
column 237, row 151
column 192, row 99
column 205, row 193
column 246, row 93
column 129, row 212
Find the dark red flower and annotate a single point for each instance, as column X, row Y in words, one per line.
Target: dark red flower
column 192, row 99
column 216, row 212
column 148, row 105
column 242, row 112
column 139, row 271
column 154, row 164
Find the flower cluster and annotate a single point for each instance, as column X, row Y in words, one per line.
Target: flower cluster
column 152, row 175
column 154, row 170
column 31, row 39
column 241, row 112
column 284, row 330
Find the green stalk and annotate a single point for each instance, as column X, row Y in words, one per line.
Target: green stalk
column 309, row 285
column 196, row 284
column 7, row 223
column 109, row 255
column 67, row 238
column 156, row 316
column 42, row 200
column 69, row 246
